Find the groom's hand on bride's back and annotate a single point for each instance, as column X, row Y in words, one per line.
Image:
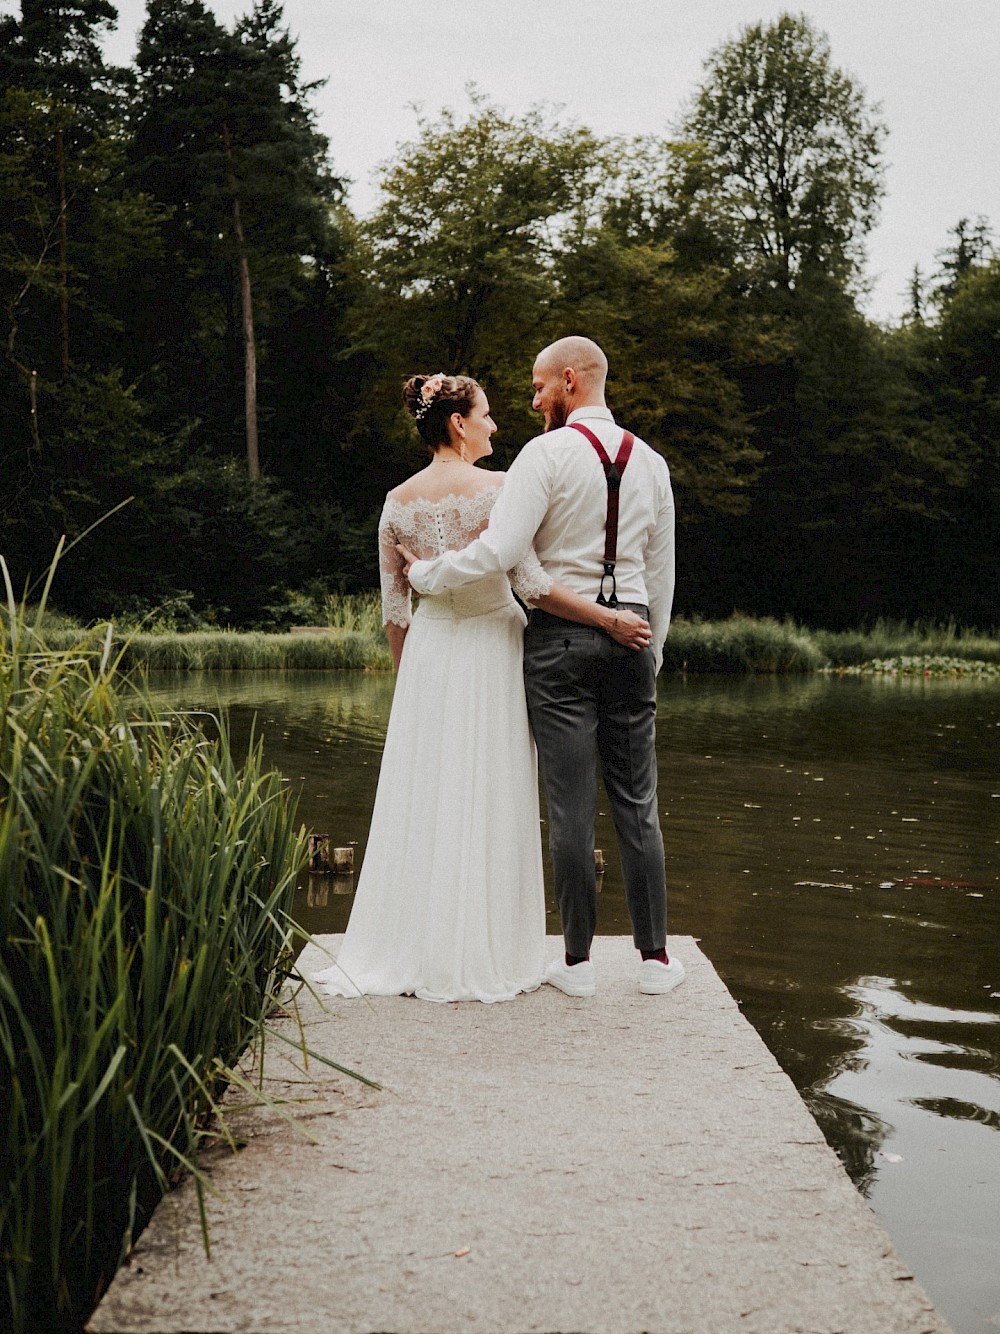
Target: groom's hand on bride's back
column 407, row 557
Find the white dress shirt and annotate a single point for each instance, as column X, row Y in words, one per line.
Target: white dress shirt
column 556, row 497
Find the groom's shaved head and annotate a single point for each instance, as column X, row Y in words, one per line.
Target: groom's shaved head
column 568, row 374
column 578, row 354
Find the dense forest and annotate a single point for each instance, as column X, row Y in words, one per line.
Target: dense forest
column 194, row 321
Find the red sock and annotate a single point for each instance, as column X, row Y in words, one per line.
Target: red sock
column 573, row 959
column 659, row 955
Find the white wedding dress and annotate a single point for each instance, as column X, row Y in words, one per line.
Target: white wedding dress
column 449, row 904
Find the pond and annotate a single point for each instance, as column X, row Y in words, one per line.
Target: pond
column 833, row 844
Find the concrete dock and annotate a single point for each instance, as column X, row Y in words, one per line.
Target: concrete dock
column 623, row 1165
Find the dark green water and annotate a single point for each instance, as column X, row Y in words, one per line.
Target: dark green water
column 833, row 843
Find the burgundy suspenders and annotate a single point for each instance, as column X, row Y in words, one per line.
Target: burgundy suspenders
column 613, row 474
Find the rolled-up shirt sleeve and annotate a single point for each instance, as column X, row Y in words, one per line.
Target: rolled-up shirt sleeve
column 514, row 520
column 659, row 562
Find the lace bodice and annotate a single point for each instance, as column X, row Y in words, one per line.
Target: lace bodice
column 430, row 527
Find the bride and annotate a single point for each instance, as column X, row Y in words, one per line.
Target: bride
column 449, row 904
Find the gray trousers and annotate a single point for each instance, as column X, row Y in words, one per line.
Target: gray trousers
column 590, row 698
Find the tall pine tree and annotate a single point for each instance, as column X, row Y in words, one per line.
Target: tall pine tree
column 67, row 224
column 224, row 135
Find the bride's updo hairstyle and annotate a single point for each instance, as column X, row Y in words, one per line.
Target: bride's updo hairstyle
column 431, row 399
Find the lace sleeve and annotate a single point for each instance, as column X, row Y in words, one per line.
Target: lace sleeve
column 528, row 579
column 396, row 605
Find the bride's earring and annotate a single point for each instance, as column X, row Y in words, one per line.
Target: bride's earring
column 461, row 452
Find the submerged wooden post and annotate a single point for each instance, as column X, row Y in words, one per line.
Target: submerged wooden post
column 319, row 847
column 343, row 861
column 340, row 867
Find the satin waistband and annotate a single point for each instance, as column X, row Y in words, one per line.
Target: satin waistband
column 463, row 603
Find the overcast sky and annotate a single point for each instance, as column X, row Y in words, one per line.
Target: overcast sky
column 934, row 65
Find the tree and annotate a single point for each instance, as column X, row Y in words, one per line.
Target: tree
column 972, row 245
column 276, row 171
column 917, row 290
column 67, row 224
column 224, row 136
column 54, row 53
column 781, row 165
column 473, row 214
column 56, row 47
column 678, row 344
column 858, row 462
column 786, row 154
column 954, row 371
column 457, row 269
column 28, row 241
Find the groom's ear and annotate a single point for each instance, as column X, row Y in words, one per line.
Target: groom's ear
column 569, row 379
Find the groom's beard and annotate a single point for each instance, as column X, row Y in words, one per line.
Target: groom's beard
column 558, row 414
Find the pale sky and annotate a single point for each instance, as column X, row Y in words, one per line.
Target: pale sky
column 933, row 65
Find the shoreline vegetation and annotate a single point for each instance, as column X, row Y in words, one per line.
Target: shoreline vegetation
column 146, row 884
column 347, row 635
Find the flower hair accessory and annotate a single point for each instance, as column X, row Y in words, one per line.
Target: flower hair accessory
column 429, row 390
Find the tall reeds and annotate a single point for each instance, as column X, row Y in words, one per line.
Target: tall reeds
column 765, row 645
column 251, row 650
column 353, row 639
column 740, row 644
column 145, row 885
column 359, row 613
column 886, row 639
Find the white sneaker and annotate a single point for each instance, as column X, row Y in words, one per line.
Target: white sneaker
column 656, row 978
column 578, row 979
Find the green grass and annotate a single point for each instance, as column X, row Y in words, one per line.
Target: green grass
column 740, row 644
column 887, row 639
column 764, row 645
column 353, row 638
column 359, row 613
column 253, row 650
column 145, row 887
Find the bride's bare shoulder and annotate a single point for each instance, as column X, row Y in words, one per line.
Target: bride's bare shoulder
column 433, row 484
column 414, row 488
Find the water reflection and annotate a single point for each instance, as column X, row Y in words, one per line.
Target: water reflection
column 856, row 1132
column 833, row 844
column 925, row 1076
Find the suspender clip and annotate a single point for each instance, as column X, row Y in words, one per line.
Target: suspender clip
column 613, row 474
column 609, row 573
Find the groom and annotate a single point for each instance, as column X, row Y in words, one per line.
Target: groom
column 588, row 513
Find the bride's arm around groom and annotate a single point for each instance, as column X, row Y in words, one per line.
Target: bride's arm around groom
column 555, row 497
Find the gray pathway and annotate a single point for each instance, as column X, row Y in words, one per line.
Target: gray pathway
column 621, row 1165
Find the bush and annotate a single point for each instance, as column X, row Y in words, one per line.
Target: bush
column 145, row 885
column 232, row 650
column 890, row 639
column 355, row 640
column 740, row 644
